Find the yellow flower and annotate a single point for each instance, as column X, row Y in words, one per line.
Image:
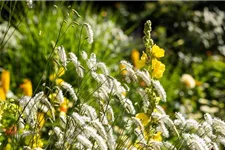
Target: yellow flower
column 138, row 145
column 27, row 87
column 157, row 69
column 2, row 94
column 141, row 63
column 157, row 136
column 143, row 118
column 157, row 51
column 60, row 72
column 41, row 119
column 144, row 56
column 64, row 105
column 135, row 57
column 34, row 141
column 59, row 81
column 5, row 80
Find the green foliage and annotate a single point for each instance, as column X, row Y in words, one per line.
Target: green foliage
column 45, row 25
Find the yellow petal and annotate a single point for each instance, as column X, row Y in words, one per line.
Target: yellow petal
column 41, row 119
column 123, row 69
column 59, row 81
column 158, row 68
column 157, row 51
column 143, row 118
column 27, row 87
column 5, row 80
column 157, row 136
column 135, row 56
column 140, row 64
column 2, row 94
column 60, row 72
column 144, row 56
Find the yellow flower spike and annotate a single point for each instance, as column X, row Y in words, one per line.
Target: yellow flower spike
column 157, row 51
column 2, row 94
column 158, row 68
column 135, row 57
column 157, row 136
column 5, row 80
column 41, row 119
column 143, row 118
column 27, row 87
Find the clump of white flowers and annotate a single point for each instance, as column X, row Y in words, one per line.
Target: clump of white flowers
column 203, row 135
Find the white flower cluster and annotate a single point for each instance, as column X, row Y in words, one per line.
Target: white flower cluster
column 109, row 86
column 85, row 131
column 31, row 105
column 205, row 135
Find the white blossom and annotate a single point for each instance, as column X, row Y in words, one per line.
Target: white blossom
column 62, row 55
column 99, row 127
column 69, row 88
column 89, row 32
column 84, row 55
column 84, row 141
column 89, row 111
column 160, row 90
column 91, row 132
